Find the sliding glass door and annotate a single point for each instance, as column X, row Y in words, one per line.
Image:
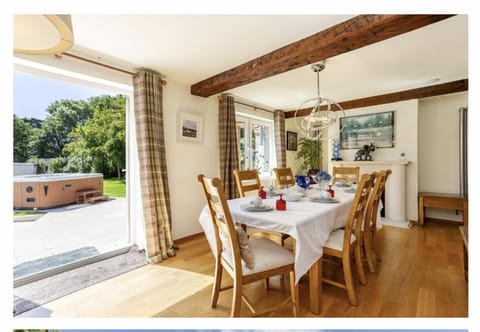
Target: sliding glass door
column 70, row 173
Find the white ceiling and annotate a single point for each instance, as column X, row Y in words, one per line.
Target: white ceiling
column 190, row 48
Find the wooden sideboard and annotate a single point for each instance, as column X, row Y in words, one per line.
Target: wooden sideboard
column 441, row 201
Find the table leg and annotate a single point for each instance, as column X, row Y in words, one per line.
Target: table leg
column 316, row 286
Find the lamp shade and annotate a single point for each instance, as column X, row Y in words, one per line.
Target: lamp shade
column 42, row 34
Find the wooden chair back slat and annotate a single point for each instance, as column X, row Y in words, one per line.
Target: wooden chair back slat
column 348, row 174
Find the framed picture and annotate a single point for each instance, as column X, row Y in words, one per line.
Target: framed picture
column 291, row 140
column 361, row 130
column 190, row 127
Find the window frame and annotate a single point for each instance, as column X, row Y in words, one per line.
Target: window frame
column 249, row 121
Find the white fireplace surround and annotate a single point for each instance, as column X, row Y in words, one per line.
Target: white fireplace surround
column 395, row 190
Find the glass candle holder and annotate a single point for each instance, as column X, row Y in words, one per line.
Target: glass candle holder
column 281, row 204
column 262, row 193
column 331, row 191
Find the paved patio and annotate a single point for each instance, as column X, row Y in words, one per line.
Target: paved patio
column 103, row 225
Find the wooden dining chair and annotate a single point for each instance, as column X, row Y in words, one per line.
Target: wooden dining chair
column 245, row 260
column 370, row 222
column 284, row 177
column 370, row 232
column 348, row 174
column 343, row 243
column 247, row 181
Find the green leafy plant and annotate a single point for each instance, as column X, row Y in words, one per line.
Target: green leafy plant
column 310, row 152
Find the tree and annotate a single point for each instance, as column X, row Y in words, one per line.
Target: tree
column 56, row 165
column 63, row 116
column 22, row 134
column 99, row 145
column 33, row 122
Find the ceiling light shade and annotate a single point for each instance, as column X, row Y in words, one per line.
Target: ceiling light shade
column 324, row 113
column 42, row 34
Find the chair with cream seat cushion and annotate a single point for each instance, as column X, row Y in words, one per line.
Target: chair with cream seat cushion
column 371, row 214
column 343, row 242
column 268, row 259
column 347, row 174
column 284, row 177
column 248, row 182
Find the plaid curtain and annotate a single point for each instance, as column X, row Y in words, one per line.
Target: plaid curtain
column 153, row 166
column 280, row 142
column 227, row 130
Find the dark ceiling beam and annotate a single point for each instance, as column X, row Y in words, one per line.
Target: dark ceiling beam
column 352, row 34
column 429, row 91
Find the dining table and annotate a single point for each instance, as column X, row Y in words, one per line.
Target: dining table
column 309, row 221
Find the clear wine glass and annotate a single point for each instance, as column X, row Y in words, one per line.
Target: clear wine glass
column 307, row 182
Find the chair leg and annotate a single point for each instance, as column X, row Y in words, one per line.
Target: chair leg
column 294, row 294
column 359, row 263
column 237, row 298
column 369, row 252
column 216, row 284
column 347, row 270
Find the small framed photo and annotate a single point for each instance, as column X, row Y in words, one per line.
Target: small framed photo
column 189, row 127
column 291, row 140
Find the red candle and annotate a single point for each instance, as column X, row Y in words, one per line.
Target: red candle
column 281, row 204
column 262, row 193
column 330, row 190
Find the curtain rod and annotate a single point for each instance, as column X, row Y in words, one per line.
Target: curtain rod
column 254, row 107
column 59, row 56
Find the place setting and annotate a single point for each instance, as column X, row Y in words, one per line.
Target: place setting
column 257, row 205
column 342, row 184
column 352, row 189
column 324, row 197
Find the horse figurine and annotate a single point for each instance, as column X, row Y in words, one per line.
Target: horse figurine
column 364, row 154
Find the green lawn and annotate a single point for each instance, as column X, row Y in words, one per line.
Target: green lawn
column 26, row 213
column 114, row 187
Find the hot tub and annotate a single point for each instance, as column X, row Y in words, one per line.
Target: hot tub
column 51, row 190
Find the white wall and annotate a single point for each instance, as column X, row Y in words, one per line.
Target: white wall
column 406, row 141
column 438, row 138
column 186, row 160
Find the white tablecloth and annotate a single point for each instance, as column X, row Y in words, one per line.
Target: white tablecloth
column 309, row 223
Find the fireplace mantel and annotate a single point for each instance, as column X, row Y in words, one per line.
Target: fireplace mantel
column 373, row 162
column 395, row 190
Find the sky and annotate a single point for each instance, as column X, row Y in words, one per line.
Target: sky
column 33, row 93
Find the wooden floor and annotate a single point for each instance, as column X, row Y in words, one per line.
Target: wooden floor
column 420, row 275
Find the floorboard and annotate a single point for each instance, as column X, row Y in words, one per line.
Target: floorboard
column 420, row 275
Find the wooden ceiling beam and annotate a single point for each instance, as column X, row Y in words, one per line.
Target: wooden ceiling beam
column 429, row 91
column 352, row 34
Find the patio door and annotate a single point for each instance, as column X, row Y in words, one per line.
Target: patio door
column 71, row 144
column 255, row 141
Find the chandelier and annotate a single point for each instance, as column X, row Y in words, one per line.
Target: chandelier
column 323, row 114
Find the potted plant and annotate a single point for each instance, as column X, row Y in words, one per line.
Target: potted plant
column 310, row 152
